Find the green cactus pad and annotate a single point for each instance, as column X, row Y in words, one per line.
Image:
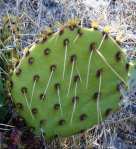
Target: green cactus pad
column 60, row 67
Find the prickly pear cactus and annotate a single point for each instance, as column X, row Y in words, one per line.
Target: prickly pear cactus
column 69, row 81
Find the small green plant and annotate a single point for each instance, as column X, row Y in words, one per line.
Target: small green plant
column 69, row 80
column 9, row 32
column 3, row 106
